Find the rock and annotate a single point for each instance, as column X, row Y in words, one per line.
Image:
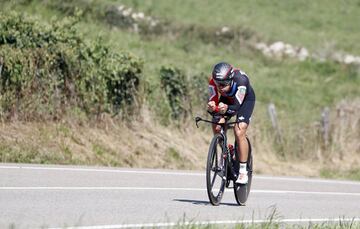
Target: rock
column 267, row 52
column 277, row 47
column 120, row 8
column 141, row 15
column 261, row 46
column 349, row 59
column 153, row 23
column 225, row 29
column 289, row 51
column 281, row 49
column 303, row 54
column 127, row 12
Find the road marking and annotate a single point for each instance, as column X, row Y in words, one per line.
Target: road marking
column 191, row 223
column 179, row 189
column 103, row 188
column 104, row 170
column 305, row 192
column 171, row 173
column 303, row 179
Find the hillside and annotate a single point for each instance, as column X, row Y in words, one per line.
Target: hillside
column 183, row 40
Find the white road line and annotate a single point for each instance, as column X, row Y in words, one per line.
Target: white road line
column 103, row 188
column 303, row 179
column 156, row 225
column 178, row 189
column 305, row 192
column 154, row 172
column 104, row 170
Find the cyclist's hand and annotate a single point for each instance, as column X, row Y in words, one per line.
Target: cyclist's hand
column 211, row 106
column 223, row 108
column 222, row 120
column 218, row 127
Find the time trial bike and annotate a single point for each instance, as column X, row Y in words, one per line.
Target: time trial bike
column 223, row 164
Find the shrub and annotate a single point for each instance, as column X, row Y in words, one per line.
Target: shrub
column 174, row 83
column 48, row 68
column 199, row 89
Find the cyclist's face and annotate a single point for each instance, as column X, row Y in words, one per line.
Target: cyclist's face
column 223, row 88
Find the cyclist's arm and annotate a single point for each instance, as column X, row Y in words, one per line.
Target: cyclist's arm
column 240, row 94
column 213, row 95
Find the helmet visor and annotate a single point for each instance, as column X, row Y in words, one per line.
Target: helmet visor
column 223, row 83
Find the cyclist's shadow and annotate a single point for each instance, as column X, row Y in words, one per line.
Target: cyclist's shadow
column 202, row 202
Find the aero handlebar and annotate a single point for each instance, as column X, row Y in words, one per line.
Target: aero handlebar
column 199, row 119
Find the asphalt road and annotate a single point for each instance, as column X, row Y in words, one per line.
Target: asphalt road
column 34, row 196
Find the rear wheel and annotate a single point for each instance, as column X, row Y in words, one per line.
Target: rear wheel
column 242, row 191
column 216, row 170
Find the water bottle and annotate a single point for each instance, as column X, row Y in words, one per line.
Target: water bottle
column 232, row 152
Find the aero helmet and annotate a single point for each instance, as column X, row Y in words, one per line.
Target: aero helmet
column 223, row 73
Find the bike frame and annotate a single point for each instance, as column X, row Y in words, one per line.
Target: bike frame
column 224, row 127
column 241, row 191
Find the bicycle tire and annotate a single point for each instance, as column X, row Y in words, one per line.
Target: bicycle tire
column 242, row 191
column 212, row 166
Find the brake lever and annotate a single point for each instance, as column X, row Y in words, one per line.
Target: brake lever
column 197, row 119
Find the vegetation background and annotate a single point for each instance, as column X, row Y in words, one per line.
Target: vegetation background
column 118, row 83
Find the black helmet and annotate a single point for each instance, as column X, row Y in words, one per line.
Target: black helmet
column 223, row 73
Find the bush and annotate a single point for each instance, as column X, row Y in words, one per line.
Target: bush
column 199, row 89
column 46, row 69
column 174, row 83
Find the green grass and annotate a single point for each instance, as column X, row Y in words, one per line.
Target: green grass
column 352, row 174
column 300, row 90
column 21, row 153
column 304, row 84
column 296, row 87
column 314, row 24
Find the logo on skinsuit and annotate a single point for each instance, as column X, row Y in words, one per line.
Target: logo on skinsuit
column 240, row 94
column 242, row 90
column 212, row 92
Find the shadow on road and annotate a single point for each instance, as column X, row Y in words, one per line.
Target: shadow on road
column 201, row 202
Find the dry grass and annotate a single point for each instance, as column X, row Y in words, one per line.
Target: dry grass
column 108, row 142
column 147, row 144
column 343, row 151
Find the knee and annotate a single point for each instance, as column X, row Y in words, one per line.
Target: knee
column 240, row 130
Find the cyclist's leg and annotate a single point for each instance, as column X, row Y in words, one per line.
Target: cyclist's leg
column 243, row 117
column 240, row 135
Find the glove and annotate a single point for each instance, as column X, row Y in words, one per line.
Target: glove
column 223, row 108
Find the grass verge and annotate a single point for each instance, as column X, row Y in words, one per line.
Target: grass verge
column 352, row 174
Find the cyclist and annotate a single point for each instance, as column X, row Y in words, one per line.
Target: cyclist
column 230, row 93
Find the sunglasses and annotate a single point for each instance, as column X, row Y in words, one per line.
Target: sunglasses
column 223, row 83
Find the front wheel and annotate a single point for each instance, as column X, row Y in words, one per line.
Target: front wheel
column 242, row 191
column 216, row 170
